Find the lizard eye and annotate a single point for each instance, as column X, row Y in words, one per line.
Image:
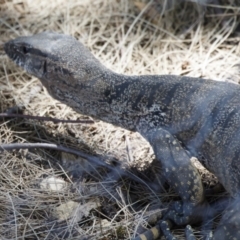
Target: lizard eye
column 25, row 50
column 45, row 67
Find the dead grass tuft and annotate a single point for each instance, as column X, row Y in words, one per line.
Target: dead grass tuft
column 47, row 195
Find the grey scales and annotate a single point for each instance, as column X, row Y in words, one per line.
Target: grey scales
column 180, row 116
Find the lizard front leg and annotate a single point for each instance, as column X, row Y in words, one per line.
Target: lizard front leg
column 181, row 175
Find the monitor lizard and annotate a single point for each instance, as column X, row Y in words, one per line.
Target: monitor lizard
column 180, row 116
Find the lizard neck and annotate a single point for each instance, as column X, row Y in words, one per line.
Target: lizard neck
column 102, row 94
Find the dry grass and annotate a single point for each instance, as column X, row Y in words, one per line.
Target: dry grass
column 128, row 38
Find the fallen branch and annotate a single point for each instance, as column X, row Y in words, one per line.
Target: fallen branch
column 98, row 160
column 12, row 146
column 55, row 120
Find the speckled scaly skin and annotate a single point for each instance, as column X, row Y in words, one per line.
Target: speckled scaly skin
column 179, row 116
column 169, row 4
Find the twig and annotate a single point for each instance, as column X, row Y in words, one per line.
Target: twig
column 94, row 159
column 12, row 146
column 129, row 149
column 55, row 120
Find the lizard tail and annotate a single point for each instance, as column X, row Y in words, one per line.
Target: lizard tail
column 151, row 234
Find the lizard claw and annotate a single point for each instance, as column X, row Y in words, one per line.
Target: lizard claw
column 189, row 233
column 165, row 227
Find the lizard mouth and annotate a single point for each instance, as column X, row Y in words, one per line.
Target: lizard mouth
column 22, row 56
column 14, row 53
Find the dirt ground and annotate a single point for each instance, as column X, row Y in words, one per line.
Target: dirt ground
column 49, row 194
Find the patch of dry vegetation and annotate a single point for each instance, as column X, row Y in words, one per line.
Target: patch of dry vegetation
column 131, row 37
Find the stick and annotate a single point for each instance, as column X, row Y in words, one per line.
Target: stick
column 55, row 120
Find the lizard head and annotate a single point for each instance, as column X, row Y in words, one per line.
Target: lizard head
column 68, row 70
column 56, row 59
column 35, row 52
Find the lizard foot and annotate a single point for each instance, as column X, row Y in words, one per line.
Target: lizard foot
column 166, row 227
column 190, row 235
